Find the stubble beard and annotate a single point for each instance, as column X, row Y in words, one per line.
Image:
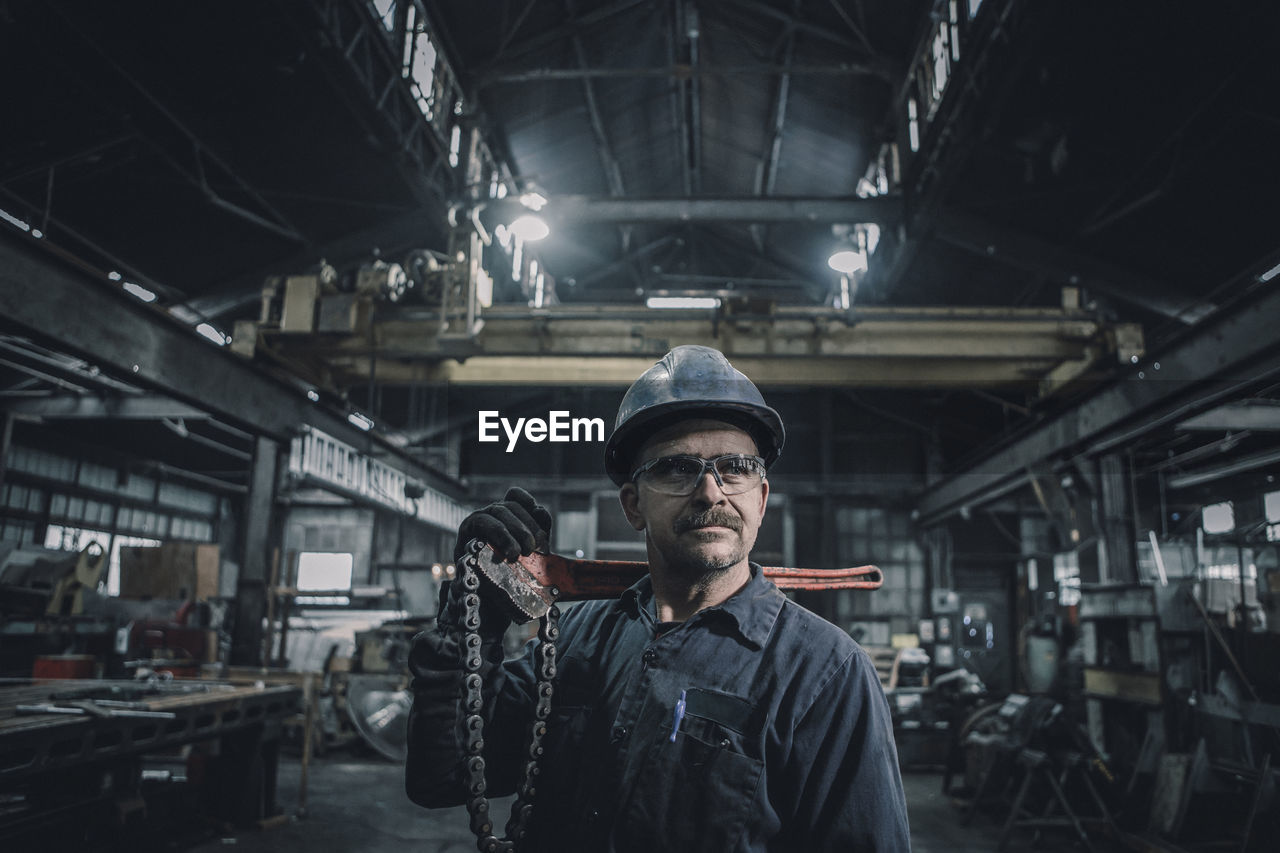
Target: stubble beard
column 695, row 564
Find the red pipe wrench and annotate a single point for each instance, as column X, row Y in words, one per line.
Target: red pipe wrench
column 528, row 581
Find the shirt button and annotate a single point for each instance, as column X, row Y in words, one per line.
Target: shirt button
column 650, row 657
column 619, row 734
column 593, row 816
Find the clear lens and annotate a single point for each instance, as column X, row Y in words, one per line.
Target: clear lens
column 680, row 475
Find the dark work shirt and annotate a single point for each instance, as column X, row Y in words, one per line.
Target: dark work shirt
column 785, row 743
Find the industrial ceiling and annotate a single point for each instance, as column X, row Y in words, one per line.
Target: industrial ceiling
column 1104, row 170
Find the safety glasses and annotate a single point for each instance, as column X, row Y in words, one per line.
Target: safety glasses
column 678, row 476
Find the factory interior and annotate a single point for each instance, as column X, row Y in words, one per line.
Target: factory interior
column 289, row 288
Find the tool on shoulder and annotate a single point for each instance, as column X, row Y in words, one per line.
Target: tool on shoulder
column 526, row 582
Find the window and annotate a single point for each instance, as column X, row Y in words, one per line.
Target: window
column 1066, row 571
column 386, row 12
column 1271, row 505
column 884, row 538
column 324, row 572
column 1218, row 518
column 913, row 124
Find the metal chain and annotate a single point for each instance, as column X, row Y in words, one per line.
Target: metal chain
column 471, row 713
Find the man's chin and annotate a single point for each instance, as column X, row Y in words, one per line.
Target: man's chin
column 707, row 559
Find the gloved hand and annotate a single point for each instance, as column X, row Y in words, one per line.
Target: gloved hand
column 515, row 526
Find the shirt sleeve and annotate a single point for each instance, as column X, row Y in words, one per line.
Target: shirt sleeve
column 435, row 772
column 841, row 781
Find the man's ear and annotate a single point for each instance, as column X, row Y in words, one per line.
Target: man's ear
column 764, row 497
column 629, row 497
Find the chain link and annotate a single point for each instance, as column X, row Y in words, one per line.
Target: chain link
column 473, row 704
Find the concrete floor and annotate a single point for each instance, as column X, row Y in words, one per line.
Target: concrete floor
column 359, row 805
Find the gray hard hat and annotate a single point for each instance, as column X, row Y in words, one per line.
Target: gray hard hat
column 690, row 382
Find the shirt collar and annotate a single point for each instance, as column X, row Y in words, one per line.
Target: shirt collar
column 752, row 609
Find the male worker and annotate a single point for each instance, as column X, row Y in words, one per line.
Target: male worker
column 702, row 710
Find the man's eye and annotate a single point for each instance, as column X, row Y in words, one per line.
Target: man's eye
column 675, row 468
column 685, row 467
column 744, row 467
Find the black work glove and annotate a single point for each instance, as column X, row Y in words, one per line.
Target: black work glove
column 515, row 526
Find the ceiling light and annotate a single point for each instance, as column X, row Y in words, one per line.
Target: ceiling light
column 360, row 421
column 529, row 228
column 682, row 302
column 848, row 261
column 1270, row 274
column 312, row 395
column 213, row 334
column 13, row 220
column 140, row 292
column 534, row 201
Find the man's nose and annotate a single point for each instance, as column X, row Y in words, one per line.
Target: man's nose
column 708, row 490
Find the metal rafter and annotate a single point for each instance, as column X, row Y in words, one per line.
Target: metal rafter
column 575, row 208
column 1003, row 29
column 127, row 338
column 625, row 262
column 793, row 20
column 1224, row 359
column 274, row 221
column 612, row 172
column 1025, row 251
column 693, row 32
column 510, row 32
column 573, row 27
column 116, row 407
column 677, row 71
column 767, row 170
column 679, row 113
column 341, row 31
column 853, row 27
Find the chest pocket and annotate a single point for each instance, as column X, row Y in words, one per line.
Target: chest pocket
column 695, row 794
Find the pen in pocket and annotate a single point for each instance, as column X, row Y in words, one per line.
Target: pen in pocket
column 679, row 715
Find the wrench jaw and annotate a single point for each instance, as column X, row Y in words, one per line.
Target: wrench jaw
column 525, row 596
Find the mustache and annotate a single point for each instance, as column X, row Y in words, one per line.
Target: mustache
column 709, row 518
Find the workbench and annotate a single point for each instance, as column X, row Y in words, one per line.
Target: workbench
column 63, row 742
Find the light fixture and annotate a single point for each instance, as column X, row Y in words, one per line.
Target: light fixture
column 213, row 334
column 139, row 291
column 313, row 395
column 848, row 261
column 535, row 201
column 682, row 302
column 360, row 421
column 529, row 228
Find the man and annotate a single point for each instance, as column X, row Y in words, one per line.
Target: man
column 701, row 711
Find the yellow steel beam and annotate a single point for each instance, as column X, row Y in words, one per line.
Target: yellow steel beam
column 874, row 346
